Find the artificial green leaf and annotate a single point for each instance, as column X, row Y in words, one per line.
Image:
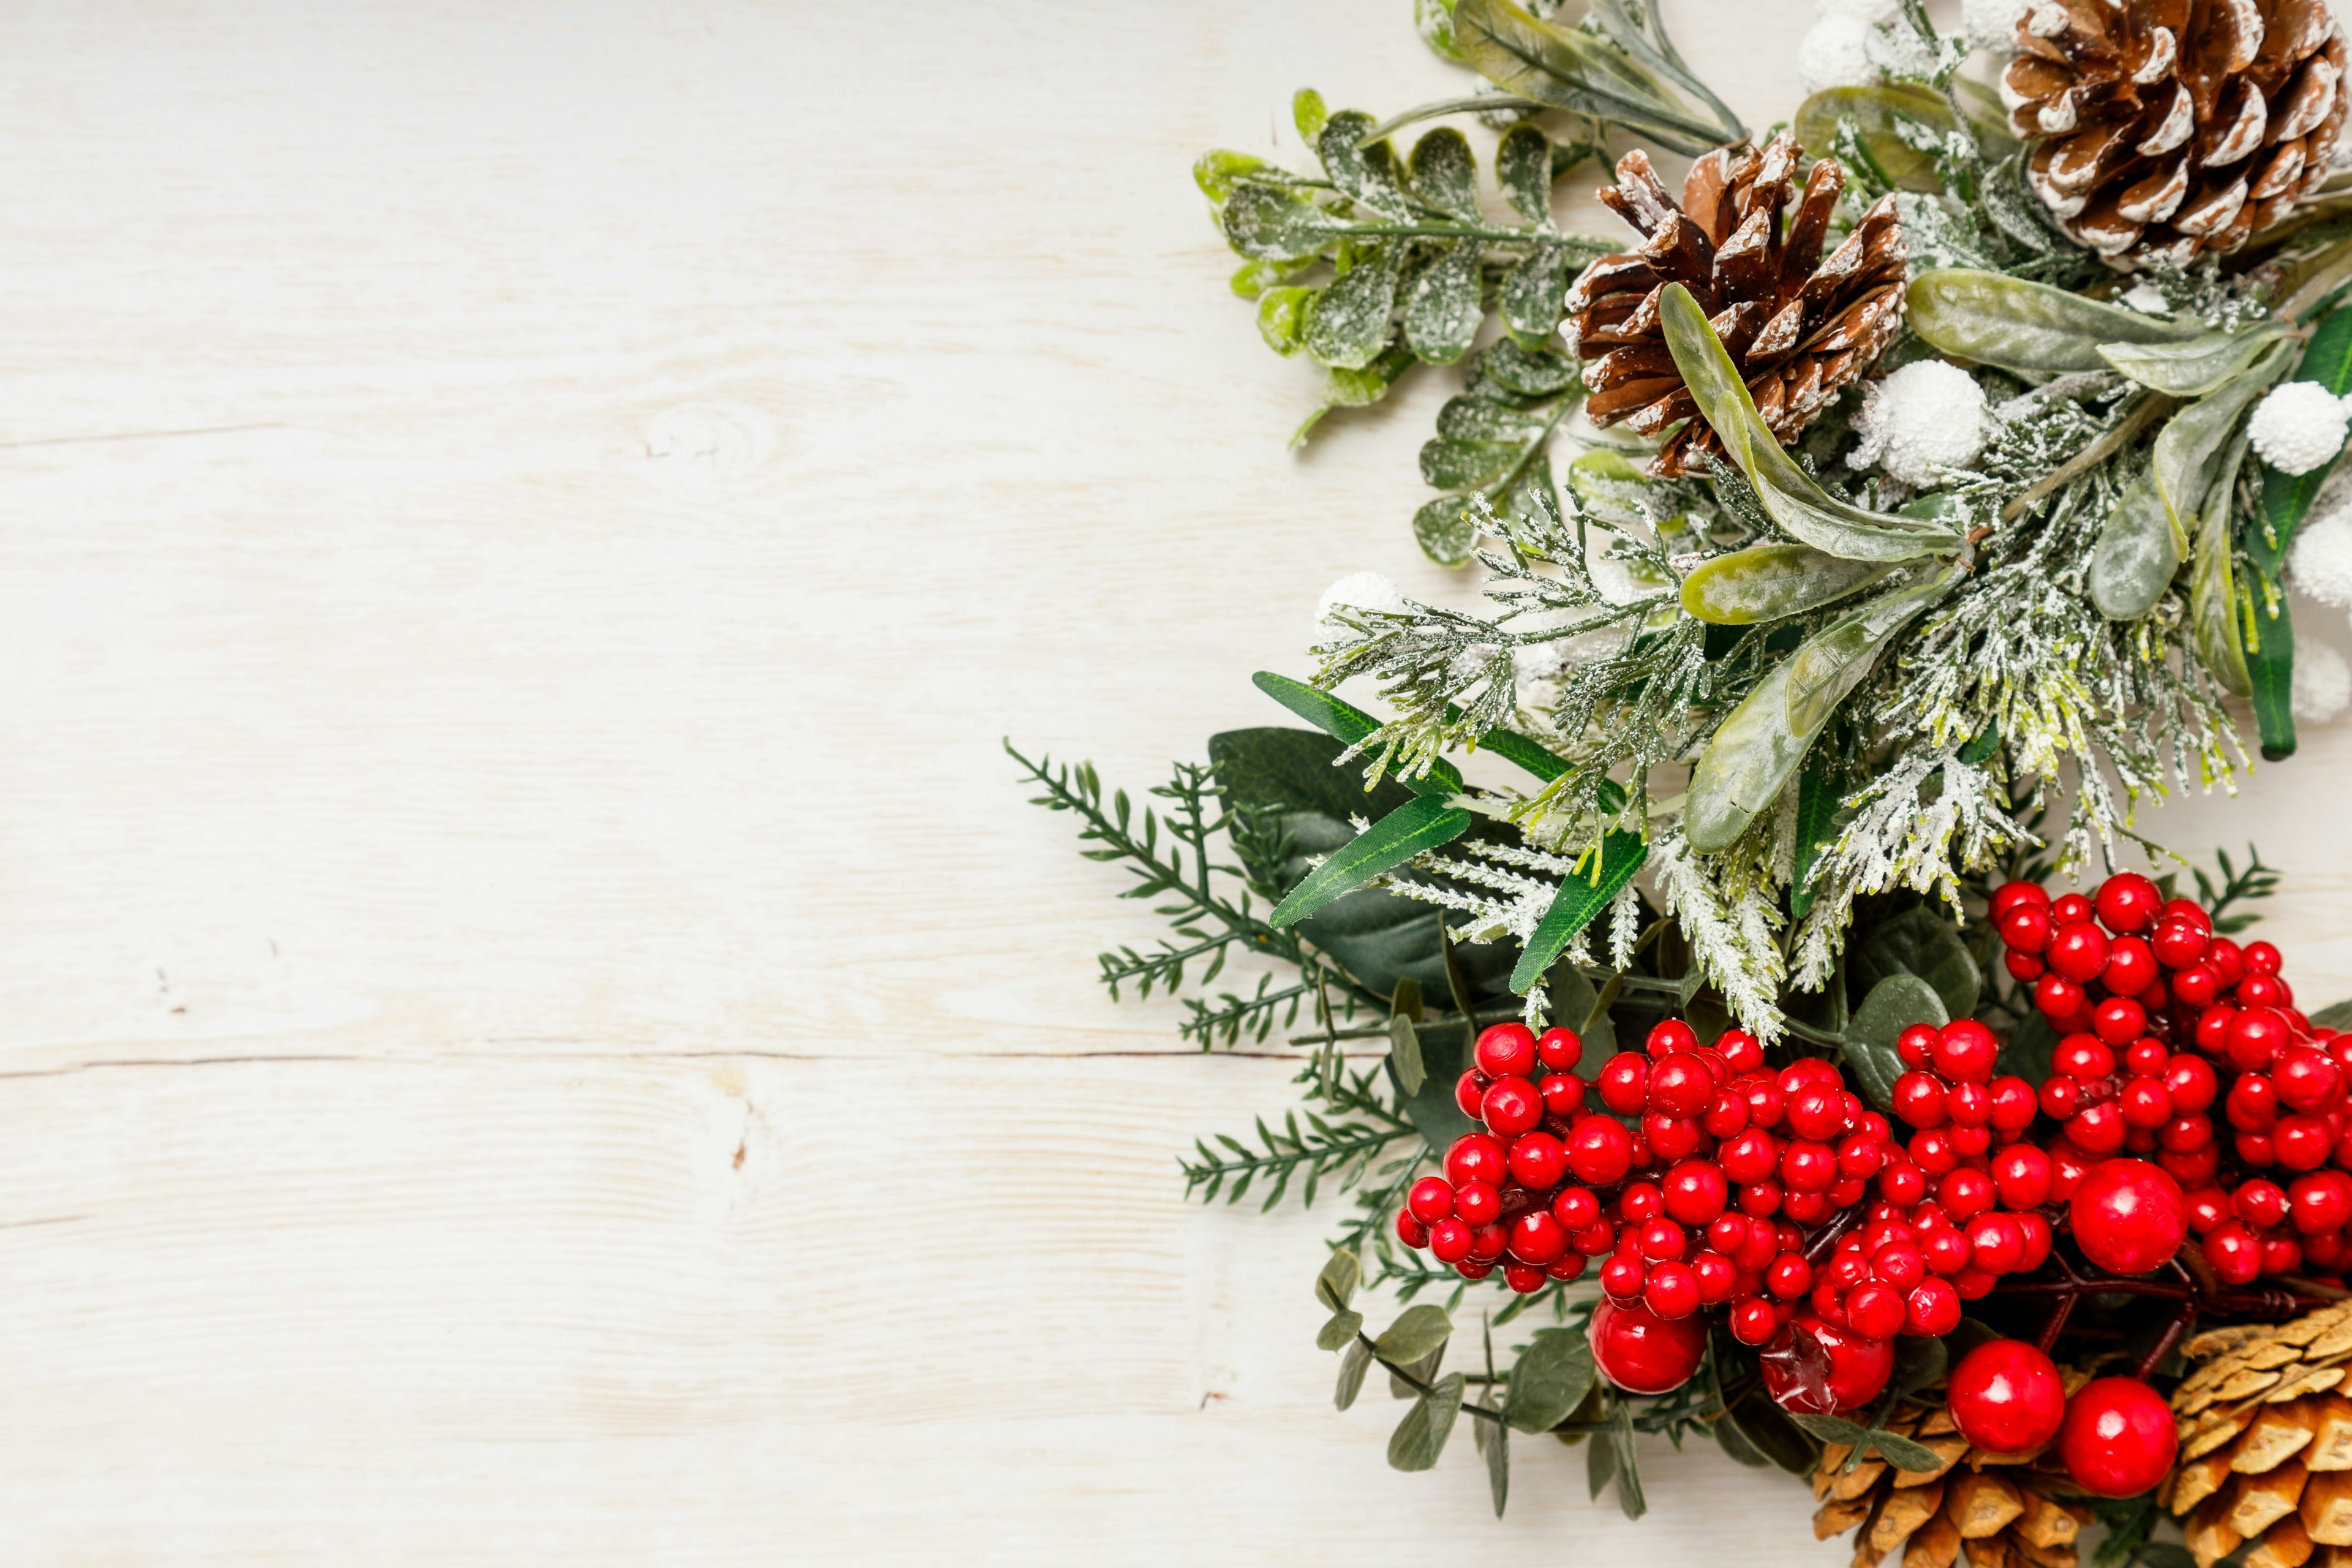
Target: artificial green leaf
column 1894, row 1005
column 1923, row 942
column 1769, row 1431
column 1582, row 895
column 1754, row 750
column 2136, row 555
column 2027, row 1051
column 1445, row 529
column 1421, row 1436
column 1446, row 174
column 1533, row 293
column 1904, row 1453
column 1345, row 721
column 1405, row 1054
column 1523, row 168
column 1419, row 1331
column 1339, row 1331
column 1786, row 491
column 1282, row 318
column 1217, row 171
column 1830, row 1429
column 1352, row 1367
column 1528, row 372
column 1458, row 465
column 2194, row 368
column 1768, row 582
column 2269, row 669
column 1443, row 310
column 1572, row 71
column 1471, row 418
column 2338, row 1016
column 1418, row 825
column 1628, row 1474
column 1878, row 114
column 1268, row 224
column 2189, row 446
column 1821, row 787
column 2287, row 497
column 2018, row 325
column 1434, row 20
column 1367, row 171
column 1417, row 1376
column 1737, row 1449
column 1348, row 323
column 1920, row 1362
column 2213, row 584
column 1308, row 113
column 1553, row 1375
column 1599, row 1467
column 1495, row 1443
column 1335, row 1287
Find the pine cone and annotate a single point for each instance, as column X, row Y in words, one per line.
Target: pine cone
column 2168, row 128
column 1798, row 327
column 2266, row 1443
column 2001, row 1509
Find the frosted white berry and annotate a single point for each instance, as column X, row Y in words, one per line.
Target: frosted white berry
column 2323, row 683
column 2298, row 427
column 1922, row 419
column 1359, row 590
column 2322, row 559
column 1992, row 24
column 1836, row 53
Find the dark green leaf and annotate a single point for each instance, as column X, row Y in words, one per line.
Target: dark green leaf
column 1533, row 293
column 1768, row 582
column 1340, row 1331
column 1906, row 1454
column 1629, row 1473
column 1421, row 1436
column 1894, row 1005
column 2338, row 1016
column 1404, row 1055
column 1443, row 309
column 1418, row 825
column 1445, row 529
column 1582, row 895
column 1820, row 786
column 2270, row 665
column 2166, row 1554
column 1878, row 114
column 1523, row 168
column 1345, row 721
column 1528, row 372
column 1553, row 1375
column 2021, row 326
column 1735, row 1447
column 1469, row 418
column 1458, row 465
column 2287, row 497
column 1348, row 324
column 1600, row 1467
column 1919, row 1363
column 1769, row 1431
column 1367, row 171
column 1495, row 1446
column 1335, row 1287
column 2026, row 1053
column 1269, row 225
column 1352, row 1367
column 1829, row 1428
column 1921, row 942
column 1420, row 1331
column 1445, row 175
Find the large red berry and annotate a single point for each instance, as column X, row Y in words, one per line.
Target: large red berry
column 2306, row 1078
column 1599, row 1151
column 1430, row 1200
column 1965, row 1051
column 1672, row 1037
column 2013, row 1104
column 2078, row 952
column 1643, row 1352
column 2320, row 1203
column 1820, row 1369
column 2117, row 1439
column 1475, row 1157
column 1511, row 1107
column 1537, row 1239
column 2027, row 929
column 2178, row 944
column 1624, row 1083
column 1672, row 1290
column 1539, row 1161
column 2131, row 967
column 1696, row 1192
column 1933, row 1307
column 1560, row 1049
column 2006, row 1398
column 1477, row 1202
column 2008, row 895
column 1449, row 1240
column 2129, row 902
column 1921, row 1098
column 2118, row 1020
column 1680, row 1086
column 1507, row 1051
column 2128, row 1216
column 1741, row 1051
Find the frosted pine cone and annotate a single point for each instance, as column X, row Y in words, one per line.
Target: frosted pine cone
column 2168, row 128
column 1799, row 327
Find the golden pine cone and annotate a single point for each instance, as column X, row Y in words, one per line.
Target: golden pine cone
column 1799, row 327
column 2266, row 1443
column 2001, row 1509
column 2168, row 128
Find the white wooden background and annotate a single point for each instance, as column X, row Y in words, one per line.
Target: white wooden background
column 537, row 1026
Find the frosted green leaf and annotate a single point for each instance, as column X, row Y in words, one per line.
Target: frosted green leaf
column 1368, row 171
column 2191, row 443
column 1767, row 581
column 1445, row 529
column 2196, row 367
column 1216, row 171
column 1786, row 491
column 1523, row 168
column 1348, row 324
column 1574, row 71
column 1878, row 113
column 2213, row 585
column 1528, row 372
column 1458, row 465
column 2136, row 556
column 1443, row 312
column 2018, row 325
column 1533, row 293
column 1756, row 750
column 1282, row 318
column 1268, row 224
column 1445, row 175
column 1308, row 113
column 1469, row 418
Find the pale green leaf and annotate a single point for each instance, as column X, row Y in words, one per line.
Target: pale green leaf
column 2136, row 556
column 1553, row 1375
column 1335, row 1287
column 2196, row 367
column 1339, row 1331
column 1270, row 225
column 1420, row 1331
column 1282, row 318
column 2020, row 325
column 1878, row 113
column 1352, row 1367
column 1767, row 581
column 1574, row 71
column 1421, row 1436
column 1445, row 175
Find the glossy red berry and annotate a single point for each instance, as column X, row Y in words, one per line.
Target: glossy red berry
column 1430, row 1200
column 2071, row 908
column 2302, row 1143
column 1411, row 1231
column 2262, row 958
column 1449, row 1241
column 1696, row 1192
column 2234, row 1252
column 1599, row 1151
column 1742, row 1052
column 2255, row 1039
column 2131, row 967
column 2127, row 1216
column 1623, row 1275
column 2264, row 991
column 1475, row 1157
column 1919, row 1098
column 2179, row 944
column 1915, row 1048
column 2320, row 1203
column 2008, row 895
column 1672, row 1290
column 1754, row 1322
column 2306, row 1078
column 2118, row 1020
column 1507, row 1051
column 1818, row 1369
column 1750, row 1157
column 1875, row 1311
column 1560, row 1049
column 1537, row 1239
column 1511, row 1106
column 2021, row 1176
column 1539, row 1161
column 1643, row 1352
column 1932, row 1307
column 1903, row 1182
column 1562, row 1094
column 2027, row 929
column 1469, row 1089
column 1680, row 1086
column 1576, row 1208
column 2117, row 1439
column 1624, row 1083
column 1965, row 1051
column 2006, row 1398
column 1671, row 1036
column 2129, row 902
column 2077, row 951
column 2195, row 985
column 1477, row 1202
column 2082, row 1057
column 2055, row 997
column 2097, row 1129
column 1790, row 1276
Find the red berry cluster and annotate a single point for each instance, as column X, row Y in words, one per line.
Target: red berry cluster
column 2160, row 1021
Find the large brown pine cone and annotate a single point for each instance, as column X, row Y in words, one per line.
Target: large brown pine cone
column 1799, row 328
column 2168, row 128
column 2002, row 1510
column 2266, row 1443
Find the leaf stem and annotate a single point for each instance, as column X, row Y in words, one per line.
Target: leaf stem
column 2147, row 412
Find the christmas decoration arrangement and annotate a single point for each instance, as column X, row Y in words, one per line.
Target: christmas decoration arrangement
column 1725, row 1003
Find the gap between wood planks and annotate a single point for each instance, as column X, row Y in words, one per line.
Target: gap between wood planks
column 410, row 1059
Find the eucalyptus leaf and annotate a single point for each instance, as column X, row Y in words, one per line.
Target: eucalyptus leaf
column 2196, row 367
column 1348, row 324
column 1420, row 824
column 1768, row 582
column 1421, row 1436
column 1404, row 1055
column 1904, row 1453
column 1552, row 1377
column 1830, row 1429
column 1533, row 293
column 1523, row 168
column 1879, row 114
column 1420, row 1331
column 1737, row 1448
column 1630, row 1499
column 2137, row 553
column 1449, row 465
column 1443, row 309
column 1444, row 173
column 1352, row 1367
column 1340, row 1331
column 2020, row 325
column 1599, row 1467
column 1893, row 1005
column 1335, row 1287
column 1445, row 529
column 1269, row 225
column 1921, row 941
column 1495, row 1442
column 1767, row 1430
column 1786, row 491
column 1417, row 1376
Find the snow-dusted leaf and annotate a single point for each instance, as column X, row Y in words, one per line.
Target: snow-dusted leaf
column 1533, row 293
column 1367, row 171
column 2136, row 555
column 1523, row 168
column 1445, row 175
column 1528, row 372
column 2195, row 367
column 1473, row 418
column 1282, row 318
column 1443, row 309
column 1218, row 170
column 1449, row 465
column 1348, row 323
column 1767, row 581
column 2019, row 325
column 1572, row 71
column 2213, row 585
column 1269, row 225
column 1445, row 529
column 1877, row 113
column 2190, row 442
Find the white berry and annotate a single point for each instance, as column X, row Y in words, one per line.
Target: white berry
column 2321, row 562
column 1927, row 418
column 2323, row 684
column 2298, row 427
column 1836, row 53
